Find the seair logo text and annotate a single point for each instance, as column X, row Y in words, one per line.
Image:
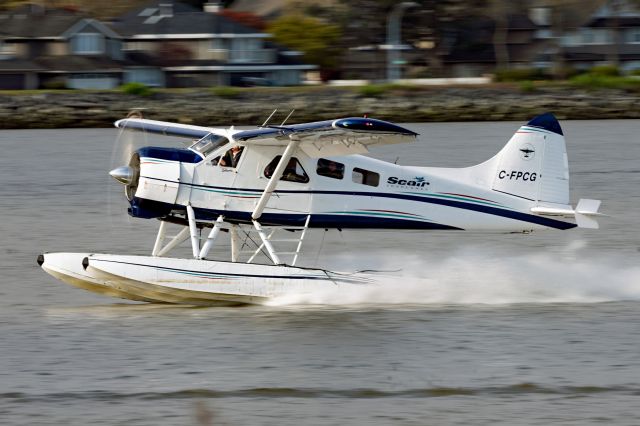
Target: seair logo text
column 418, row 182
column 517, row 175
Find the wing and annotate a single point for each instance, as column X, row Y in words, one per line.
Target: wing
column 330, row 138
column 164, row 128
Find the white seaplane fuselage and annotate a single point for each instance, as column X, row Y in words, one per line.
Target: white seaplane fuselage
column 312, row 176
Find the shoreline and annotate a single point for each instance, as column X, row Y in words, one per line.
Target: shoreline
column 250, row 106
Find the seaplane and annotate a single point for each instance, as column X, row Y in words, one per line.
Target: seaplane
column 254, row 185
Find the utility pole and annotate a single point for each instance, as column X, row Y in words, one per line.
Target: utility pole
column 394, row 40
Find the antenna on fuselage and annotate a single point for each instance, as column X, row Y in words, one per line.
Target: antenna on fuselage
column 285, row 120
column 269, row 118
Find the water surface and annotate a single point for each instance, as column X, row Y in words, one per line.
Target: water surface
column 478, row 328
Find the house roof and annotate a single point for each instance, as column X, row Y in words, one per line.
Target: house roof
column 49, row 23
column 38, row 23
column 620, row 22
column 163, row 61
column 182, row 21
column 13, row 65
column 74, row 63
column 521, row 22
column 599, row 57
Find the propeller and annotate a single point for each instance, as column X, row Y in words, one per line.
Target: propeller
column 125, row 168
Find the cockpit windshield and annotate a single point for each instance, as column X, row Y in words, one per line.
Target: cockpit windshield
column 208, row 143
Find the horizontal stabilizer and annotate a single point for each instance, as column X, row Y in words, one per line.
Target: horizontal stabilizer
column 584, row 212
column 553, row 211
column 588, row 207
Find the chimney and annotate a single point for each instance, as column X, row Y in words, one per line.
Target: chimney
column 212, row 6
column 166, row 9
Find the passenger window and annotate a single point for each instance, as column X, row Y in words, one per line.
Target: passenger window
column 293, row 172
column 365, row 177
column 329, row 168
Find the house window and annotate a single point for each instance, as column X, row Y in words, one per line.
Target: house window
column 330, row 169
column 152, row 77
column 633, row 35
column 365, row 177
column 218, row 44
column 246, row 50
column 587, row 36
column 596, row 36
column 292, row 173
column 88, row 44
column 6, row 49
column 92, row 81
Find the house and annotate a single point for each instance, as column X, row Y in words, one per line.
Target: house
column 57, row 48
column 176, row 45
column 610, row 36
column 166, row 44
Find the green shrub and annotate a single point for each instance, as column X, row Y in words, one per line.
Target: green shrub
column 635, row 72
column 138, row 89
column 595, row 81
column 372, row 90
column 565, row 72
column 55, row 85
column 605, row 71
column 527, row 86
column 225, row 91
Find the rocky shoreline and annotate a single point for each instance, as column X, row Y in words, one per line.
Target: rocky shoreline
column 69, row 109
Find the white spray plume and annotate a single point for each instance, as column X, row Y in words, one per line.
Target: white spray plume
column 475, row 276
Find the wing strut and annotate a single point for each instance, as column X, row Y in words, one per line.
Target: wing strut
column 277, row 174
column 211, row 238
column 193, row 231
column 266, row 243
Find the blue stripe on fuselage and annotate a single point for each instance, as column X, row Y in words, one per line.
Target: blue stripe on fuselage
column 511, row 214
column 352, row 221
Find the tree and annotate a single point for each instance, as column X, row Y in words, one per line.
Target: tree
column 317, row 40
column 499, row 10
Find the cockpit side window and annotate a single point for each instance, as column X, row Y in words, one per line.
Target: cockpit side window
column 329, row 168
column 209, row 143
column 365, row 177
column 232, row 157
column 293, row 172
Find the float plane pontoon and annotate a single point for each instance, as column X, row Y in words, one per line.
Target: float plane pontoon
column 255, row 184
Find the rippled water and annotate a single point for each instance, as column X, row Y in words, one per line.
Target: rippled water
column 477, row 329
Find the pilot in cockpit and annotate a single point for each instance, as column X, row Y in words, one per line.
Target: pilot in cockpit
column 231, row 157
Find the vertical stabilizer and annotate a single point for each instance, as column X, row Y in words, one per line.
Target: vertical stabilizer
column 533, row 165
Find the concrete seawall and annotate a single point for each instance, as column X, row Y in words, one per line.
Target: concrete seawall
column 62, row 109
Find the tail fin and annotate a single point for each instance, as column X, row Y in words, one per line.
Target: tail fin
column 533, row 165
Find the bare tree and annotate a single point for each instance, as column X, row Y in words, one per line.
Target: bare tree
column 498, row 11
